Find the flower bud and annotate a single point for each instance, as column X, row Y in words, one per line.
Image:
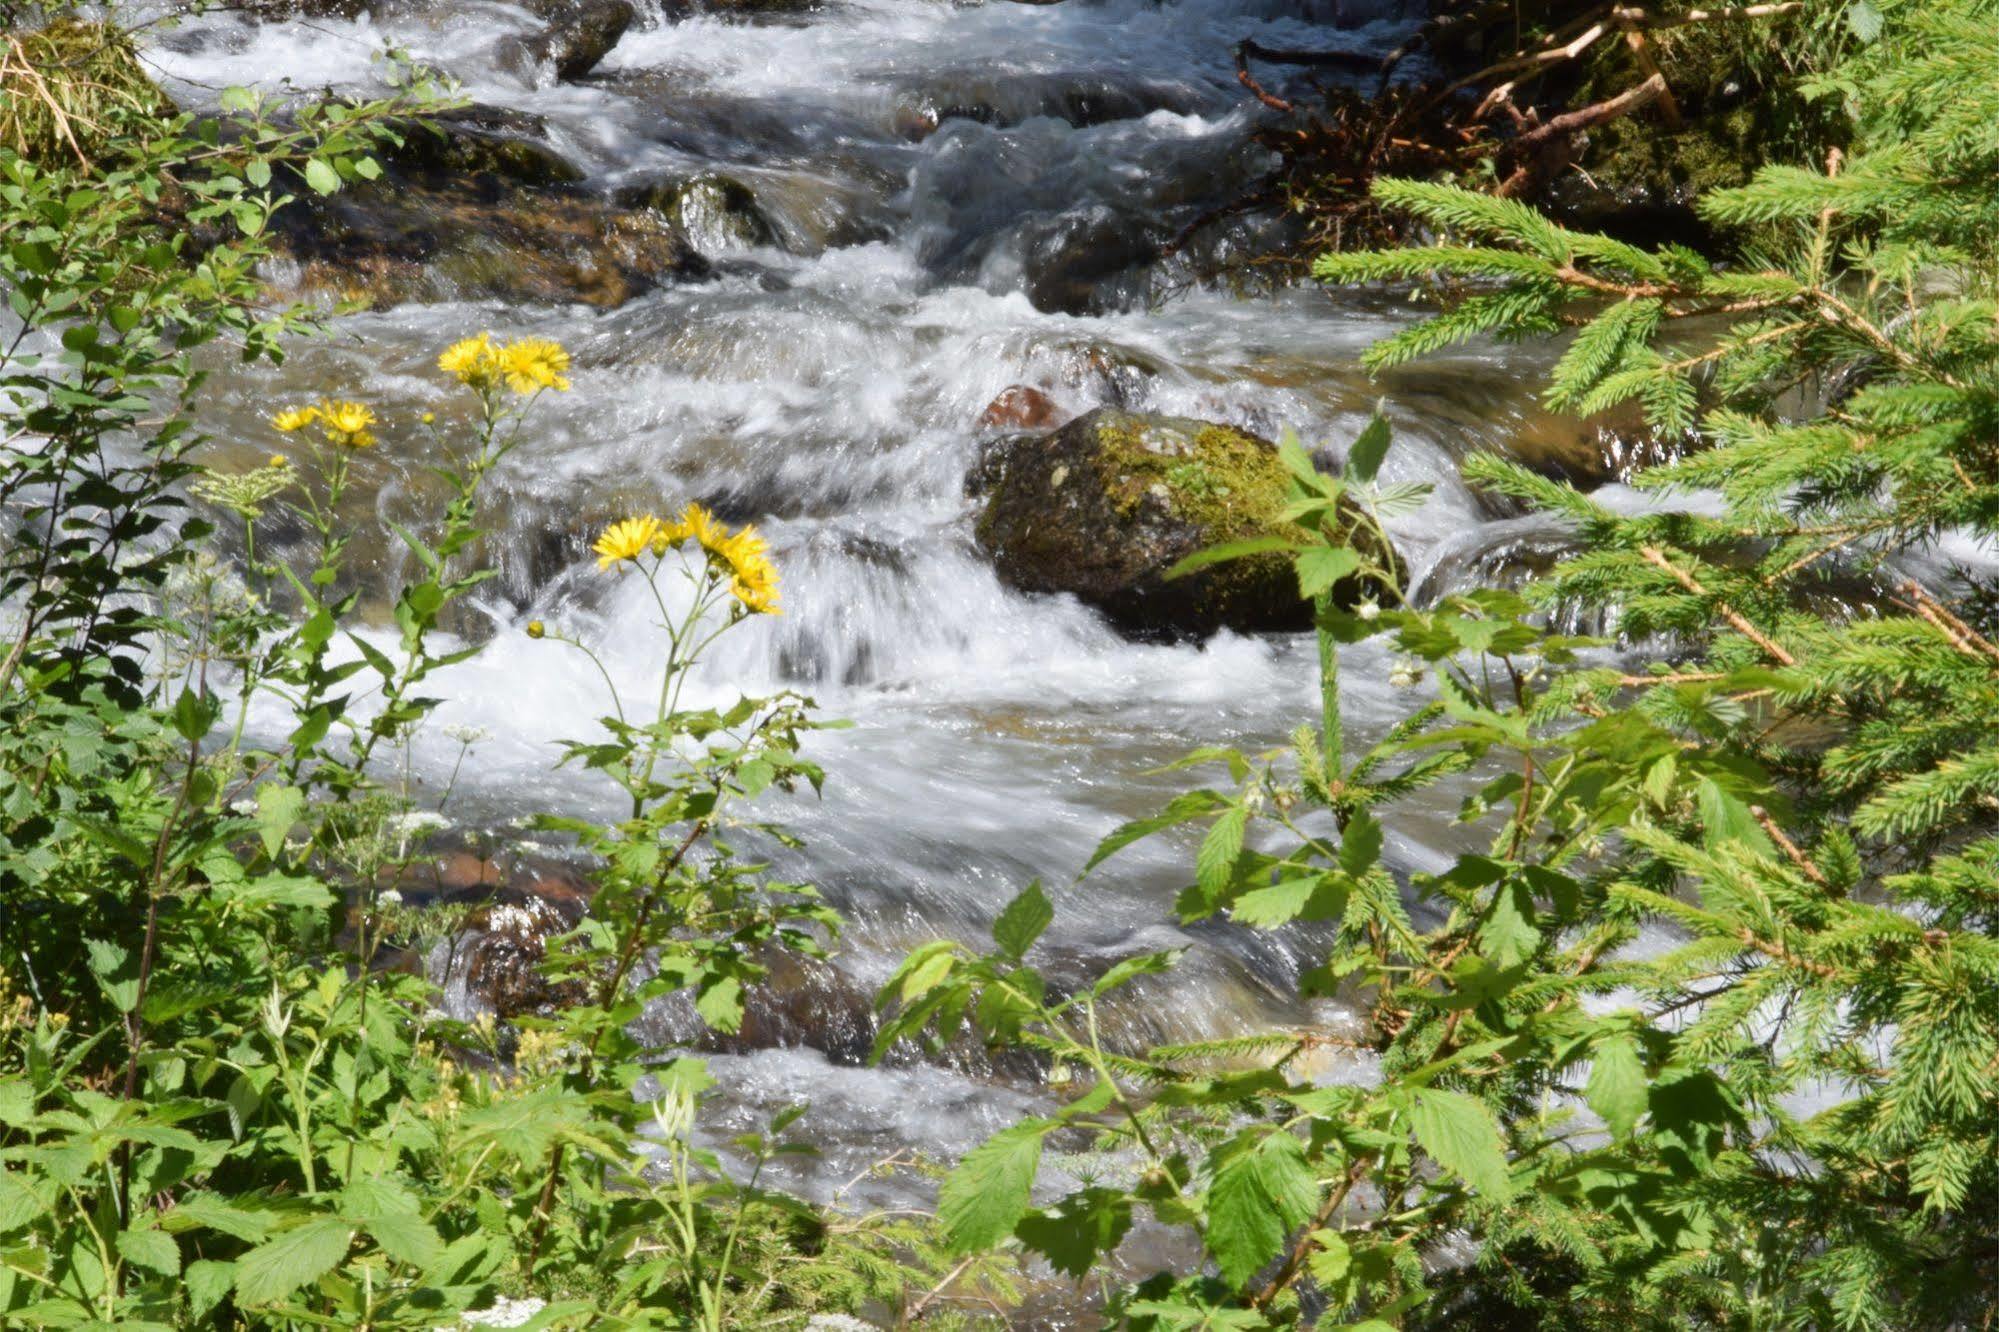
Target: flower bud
column 536, row 629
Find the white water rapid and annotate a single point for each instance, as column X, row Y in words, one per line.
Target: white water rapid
column 928, row 170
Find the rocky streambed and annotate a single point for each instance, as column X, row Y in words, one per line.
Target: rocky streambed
column 935, row 294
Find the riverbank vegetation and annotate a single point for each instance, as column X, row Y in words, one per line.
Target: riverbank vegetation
column 1703, row 1030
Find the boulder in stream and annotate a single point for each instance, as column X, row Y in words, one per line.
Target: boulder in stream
column 580, row 33
column 716, row 213
column 1103, row 507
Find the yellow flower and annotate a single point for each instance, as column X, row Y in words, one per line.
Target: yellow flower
column 534, row 364
column 753, row 578
column 699, row 524
column 626, row 540
column 278, row 460
column 474, row 361
column 346, row 423
column 536, row 629
column 295, row 418
column 756, row 588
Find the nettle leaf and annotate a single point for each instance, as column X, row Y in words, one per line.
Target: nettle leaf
column 987, row 1195
column 151, row 1248
column 1460, row 1134
column 296, row 1258
column 390, row 1214
column 206, row 1282
column 1079, row 1230
column 1023, row 920
column 1259, row 1194
column 1616, row 1089
column 278, row 808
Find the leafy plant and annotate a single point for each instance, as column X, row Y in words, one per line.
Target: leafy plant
column 1706, row 1035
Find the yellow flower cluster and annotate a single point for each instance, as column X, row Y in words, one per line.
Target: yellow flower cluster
column 527, row 366
column 347, row 424
column 742, row 556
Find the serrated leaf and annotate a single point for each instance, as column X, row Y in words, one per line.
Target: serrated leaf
column 150, row 1248
column 1075, row 1233
column 293, row 1259
column 207, row 1281
column 1365, row 457
column 278, row 808
column 1460, row 1135
column 1023, row 920
column 1322, row 566
column 1215, row 864
column 1258, row 1195
column 1617, row 1090
column 989, row 1192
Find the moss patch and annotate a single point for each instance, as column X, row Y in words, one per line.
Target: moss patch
column 72, row 88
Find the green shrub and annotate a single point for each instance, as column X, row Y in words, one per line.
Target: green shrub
column 1788, row 1114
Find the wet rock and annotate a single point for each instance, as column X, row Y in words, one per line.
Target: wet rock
column 1021, row 407
column 482, row 141
column 285, row 10
column 580, row 33
column 741, row 8
column 1104, row 506
column 402, row 240
column 1068, row 258
column 494, row 963
column 717, row 213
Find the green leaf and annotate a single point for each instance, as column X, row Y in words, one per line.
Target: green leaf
column 1215, row 865
column 1258, row 1195
column 1228, row 550
column 1616, row 1089
column 322, row 177
column 1459, row 1133
column 1364, row 458
column 987, row 1195
column 1023, row 920
column 1075, row 1233
column 207, row 1282
column 1865, row 20
column 1183, row 808
column 1360, row 844
column 278, row 808
column 390, row 1214
column 1322, row 566
column 150, row 1248
column 117, row 974
column 296, row 1258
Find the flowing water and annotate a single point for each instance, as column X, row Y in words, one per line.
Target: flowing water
column 937, row 178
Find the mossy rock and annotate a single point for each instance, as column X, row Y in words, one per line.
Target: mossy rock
column 1103, row 507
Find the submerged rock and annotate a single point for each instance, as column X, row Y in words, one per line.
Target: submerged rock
column 1103, row 507
column 1021, row 407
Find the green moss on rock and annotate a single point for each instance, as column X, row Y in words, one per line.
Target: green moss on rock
column 1104, row 506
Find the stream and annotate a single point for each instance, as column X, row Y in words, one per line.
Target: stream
column 959, row 198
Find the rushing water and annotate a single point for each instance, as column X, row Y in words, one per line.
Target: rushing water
column 829, row 384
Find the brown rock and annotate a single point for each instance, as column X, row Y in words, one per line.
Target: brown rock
column 1021, row 407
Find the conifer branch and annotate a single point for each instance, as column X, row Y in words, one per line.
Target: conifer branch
column 1771, row 648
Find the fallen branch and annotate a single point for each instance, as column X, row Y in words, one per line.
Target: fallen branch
column 1571, row 122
